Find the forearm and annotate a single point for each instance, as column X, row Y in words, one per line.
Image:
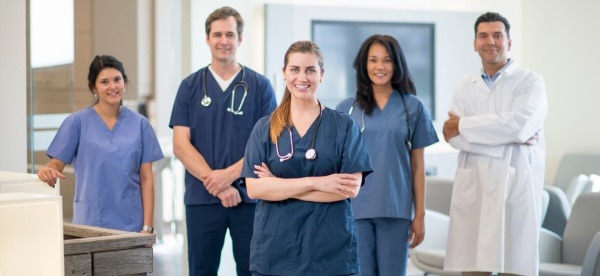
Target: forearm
column 418, row 172
column 318, row 196
column 56, row 164
column 461, row 144
column 189, row 156
column 277, row 189
column 235, row 170
column 147, row 187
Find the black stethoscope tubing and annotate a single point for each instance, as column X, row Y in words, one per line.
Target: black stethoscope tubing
column 362, row 127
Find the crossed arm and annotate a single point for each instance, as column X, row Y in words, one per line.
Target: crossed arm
column 330, row 188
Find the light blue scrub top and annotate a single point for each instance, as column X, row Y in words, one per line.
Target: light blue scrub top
column 107, row 166
column 389, row 190
column 294, row 237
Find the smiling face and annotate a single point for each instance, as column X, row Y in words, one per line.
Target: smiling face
column 380, row 66
column 109, row 86
column 302, row 75
column 492, row 43
column 223, row 40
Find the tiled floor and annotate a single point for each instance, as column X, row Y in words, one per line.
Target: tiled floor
column 169, row 259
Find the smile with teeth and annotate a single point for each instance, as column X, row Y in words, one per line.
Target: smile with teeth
column 301, row 87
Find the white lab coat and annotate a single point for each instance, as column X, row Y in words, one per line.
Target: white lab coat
column 495, row 213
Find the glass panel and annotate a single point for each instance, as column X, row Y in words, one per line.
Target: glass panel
column 51, row 44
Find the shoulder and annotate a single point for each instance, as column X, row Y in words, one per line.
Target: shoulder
column 344, row 105
column 338, row 117
column 254, row 75
column 193, row 77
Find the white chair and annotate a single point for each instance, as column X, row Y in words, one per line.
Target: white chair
column 438, row 193
column 558, row 212
column 565, row 256
column 591, row 263
column 572, row 165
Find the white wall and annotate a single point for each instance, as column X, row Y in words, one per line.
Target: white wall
column 13, row 97
column 561, row 44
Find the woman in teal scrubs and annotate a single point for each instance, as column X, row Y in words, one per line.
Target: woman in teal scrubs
column 396, row 127
column 304, row 163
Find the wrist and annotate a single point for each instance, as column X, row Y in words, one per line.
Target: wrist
column 148, row 228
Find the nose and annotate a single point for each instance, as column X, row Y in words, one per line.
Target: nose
column 303, row 76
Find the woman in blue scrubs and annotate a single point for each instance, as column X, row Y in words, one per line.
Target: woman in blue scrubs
column 390, row 210
column 111, row 149
column 304, row 163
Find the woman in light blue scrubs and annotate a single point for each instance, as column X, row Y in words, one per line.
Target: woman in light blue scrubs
column 390, row 210
column 304, row 163
column 111, row 149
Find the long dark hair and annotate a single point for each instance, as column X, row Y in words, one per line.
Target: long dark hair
column 401, row 78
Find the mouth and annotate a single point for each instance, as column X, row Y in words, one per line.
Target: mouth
column 301, row 88
column 114, row 93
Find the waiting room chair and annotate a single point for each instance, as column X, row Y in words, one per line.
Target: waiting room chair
column 565, row 256
column 591, row 263
column 438, row 193
column 573, row 164
column 558, row 211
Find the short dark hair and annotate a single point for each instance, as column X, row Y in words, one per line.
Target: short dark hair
column 224, row 13
column 402, row 80
column 493, row 17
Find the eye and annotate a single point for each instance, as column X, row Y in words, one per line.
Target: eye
column 294, row 69
column 230, row 35
column 311, row 70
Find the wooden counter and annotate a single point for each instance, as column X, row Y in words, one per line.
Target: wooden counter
column 99, row 251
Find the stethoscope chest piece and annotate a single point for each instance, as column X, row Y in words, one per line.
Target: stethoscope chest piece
column 205, row 101
column 311, row 154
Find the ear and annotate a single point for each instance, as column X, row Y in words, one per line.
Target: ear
column 475, row 44
column 240, row 38
column 509, row 44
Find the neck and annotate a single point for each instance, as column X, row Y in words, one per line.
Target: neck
column 305, row 108
column 493, row 68
column 106, row 110
column 225, row 69
column 382, row 94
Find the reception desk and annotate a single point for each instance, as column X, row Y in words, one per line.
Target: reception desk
column 35, row 241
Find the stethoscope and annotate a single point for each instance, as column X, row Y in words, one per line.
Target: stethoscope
column 362, row 128
column 311, row 153
column 206, row 100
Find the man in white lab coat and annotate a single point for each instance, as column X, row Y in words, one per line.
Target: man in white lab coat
column 496, row 121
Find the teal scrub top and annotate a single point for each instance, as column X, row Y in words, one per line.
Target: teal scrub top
column 294, row 237
column 389, row 189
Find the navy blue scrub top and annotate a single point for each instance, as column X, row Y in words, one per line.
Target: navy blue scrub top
column 220, row 136
column 300, row 237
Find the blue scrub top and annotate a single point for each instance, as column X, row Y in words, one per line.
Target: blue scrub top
column 294, row 237
column 389, row 189
column 107, row 166
column 219, row 135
